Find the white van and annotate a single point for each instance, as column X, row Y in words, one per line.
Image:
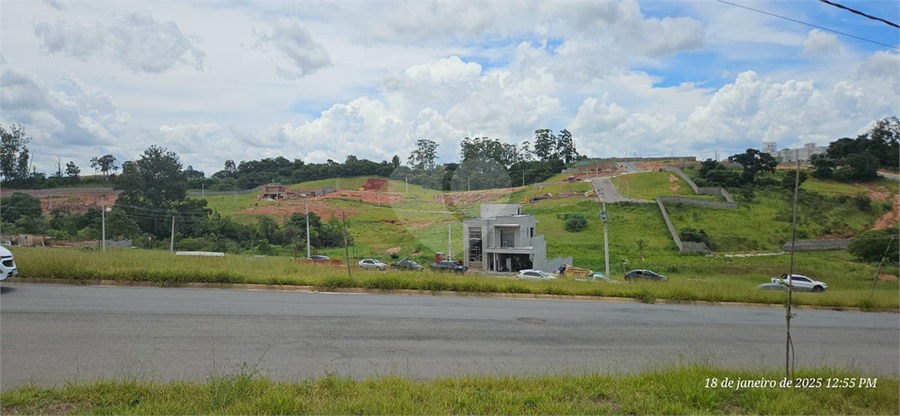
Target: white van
column 7, row 264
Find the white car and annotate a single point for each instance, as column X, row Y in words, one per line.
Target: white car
column 800, row 282
column 534, row 274
column 372, row 264
column 7, row 264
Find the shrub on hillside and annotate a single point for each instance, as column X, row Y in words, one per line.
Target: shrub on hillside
column 872, row 245
column 694, row 235
column 575, row 222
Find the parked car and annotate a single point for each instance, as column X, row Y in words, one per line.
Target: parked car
column 800, row 282
column 407, row 264
column 602, row 277
column 771, row 286
column 448, row 266
column 7, row 264
column 318, row 257
column 534, row 274
column 645, row 274
column 372, row 264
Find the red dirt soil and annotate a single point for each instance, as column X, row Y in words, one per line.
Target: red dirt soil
column 375, row 184
column 286, row 209
column 891, row 218
column 366, row 196
column 77, row 203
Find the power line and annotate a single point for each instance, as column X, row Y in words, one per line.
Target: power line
column 860, row 13
column 809, row 24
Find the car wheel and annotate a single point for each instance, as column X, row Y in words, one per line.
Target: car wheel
column 818, row 289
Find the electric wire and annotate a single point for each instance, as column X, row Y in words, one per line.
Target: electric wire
column 840, row 6
column 809, row 24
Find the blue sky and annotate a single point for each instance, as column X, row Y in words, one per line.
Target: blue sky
column 318, row 81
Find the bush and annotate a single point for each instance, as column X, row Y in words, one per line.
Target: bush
column 691, row 234
column 575, row 222
column 872, row 245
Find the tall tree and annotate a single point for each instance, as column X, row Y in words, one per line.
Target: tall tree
column 754, row 161
column 544, row 145
column 12, row 147
column 104, row 164
column 156, row 179
column 72, row 170
column 153, row 188
column 565, row 146
column 424, row 156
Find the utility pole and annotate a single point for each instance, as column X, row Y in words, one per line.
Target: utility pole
column 103, row 223
column 407, row 184
column 346, row 248
column 306, row 202
column 604, row 216
column 449, row 242
column 172, row 242
column 788, row 316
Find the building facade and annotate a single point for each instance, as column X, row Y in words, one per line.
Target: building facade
column 504, row 240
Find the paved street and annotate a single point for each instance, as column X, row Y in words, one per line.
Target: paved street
column 607, row 192
column 52, row 333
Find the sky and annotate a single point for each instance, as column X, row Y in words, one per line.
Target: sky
column 247, row 80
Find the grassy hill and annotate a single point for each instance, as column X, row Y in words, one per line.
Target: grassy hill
column 414, row 222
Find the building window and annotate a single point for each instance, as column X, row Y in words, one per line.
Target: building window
column 507, row 238
column 475, row 244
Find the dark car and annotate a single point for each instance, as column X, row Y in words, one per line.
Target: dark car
column 407, row 264
column 448, row 266
column 318, row 257
column 645, row 274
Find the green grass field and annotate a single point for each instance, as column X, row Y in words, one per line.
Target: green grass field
column 651, row 185
column 677, row 390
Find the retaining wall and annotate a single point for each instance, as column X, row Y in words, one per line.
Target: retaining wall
column 818, row 245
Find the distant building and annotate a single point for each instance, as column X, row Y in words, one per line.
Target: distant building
column 273, row 191
column 804, row 154
column 504, row 240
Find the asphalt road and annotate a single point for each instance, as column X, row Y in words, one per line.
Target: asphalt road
column 607, row 192
column 53, row 333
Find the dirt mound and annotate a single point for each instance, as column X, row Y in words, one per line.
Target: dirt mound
column 469, row 198
column 887, row 277
column 594, row 171
column 889, row 219
column 370, row 197
column 375, row 184
column 286, row 209
column 77, row 202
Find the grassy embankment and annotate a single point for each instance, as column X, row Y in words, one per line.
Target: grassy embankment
column 693, row 278
column 667, row 391
column 418, row 223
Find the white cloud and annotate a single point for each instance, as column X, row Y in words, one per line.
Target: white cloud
column 370, row 79
column 56, row 4
column 137, row 42
column 300, row 54
column 819, row 43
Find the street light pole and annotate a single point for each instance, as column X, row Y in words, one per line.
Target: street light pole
column 605, row 217
column 306, row 202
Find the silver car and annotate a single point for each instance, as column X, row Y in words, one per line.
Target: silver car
column 372, row 264
column 800, row 282
column 534, row 274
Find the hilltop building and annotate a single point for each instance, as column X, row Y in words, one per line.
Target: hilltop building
column 804, row 154
column 504, row 240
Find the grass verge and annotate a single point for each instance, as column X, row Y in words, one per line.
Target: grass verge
column 677, row 390
column 691, row 278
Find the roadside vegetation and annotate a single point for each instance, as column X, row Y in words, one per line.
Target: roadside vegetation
column 677, row 390
column 692, row 278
